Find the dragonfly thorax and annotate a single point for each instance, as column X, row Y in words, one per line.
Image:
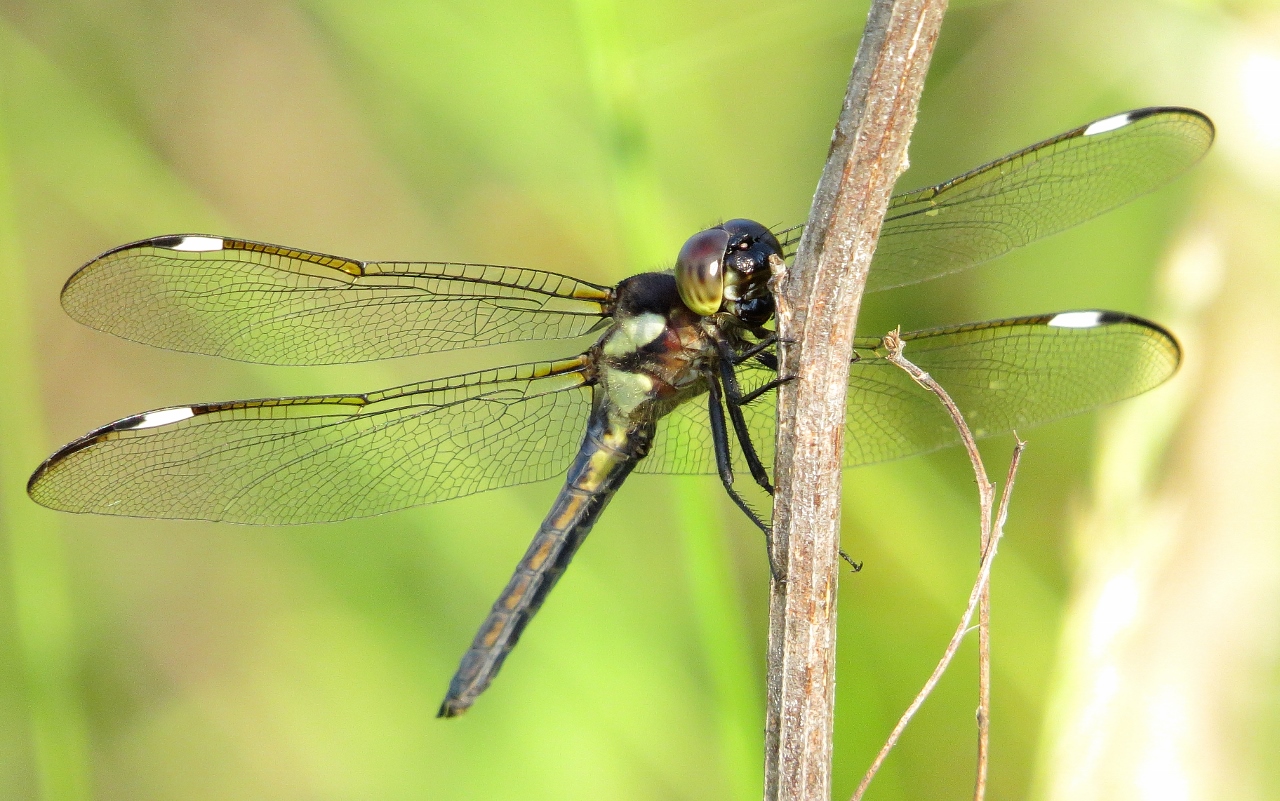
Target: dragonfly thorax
column 656, row 347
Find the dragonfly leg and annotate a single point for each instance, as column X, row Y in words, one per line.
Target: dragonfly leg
column 770, row 360
column 719, row 436
column 855, row 566
column 733, row 400
column 757, row 392
column 767, row 340
column 756, row 349
column 724, row 466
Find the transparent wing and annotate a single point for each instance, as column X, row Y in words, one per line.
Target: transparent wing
column 332, row 457
column 683, row 446
column 275, row 305
column 1038, row 191
column 1004, row 374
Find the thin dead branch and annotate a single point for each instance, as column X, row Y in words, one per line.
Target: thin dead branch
column 989, row 538
column 992, row 530
column 818, row 300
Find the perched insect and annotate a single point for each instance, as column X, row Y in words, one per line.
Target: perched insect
column 681, row 375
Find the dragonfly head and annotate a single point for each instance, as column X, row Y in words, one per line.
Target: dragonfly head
column 726, row 268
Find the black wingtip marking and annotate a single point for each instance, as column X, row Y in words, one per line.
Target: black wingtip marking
column 451, row 709
column 1103, row 317
column 1127, row 118
column 155, row 418
column 1110, row 317
column 1151, row 111
column 168, row 241
column 72, row 447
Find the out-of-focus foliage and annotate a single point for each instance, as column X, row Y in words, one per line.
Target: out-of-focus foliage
column 1137, row 595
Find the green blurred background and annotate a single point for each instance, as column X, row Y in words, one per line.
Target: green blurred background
column 1137, row 595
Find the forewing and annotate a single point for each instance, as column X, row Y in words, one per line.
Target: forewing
column 1040, row 190
column 1045, row 188
column 274, row 305
column 332, row 457
column 1003, row 374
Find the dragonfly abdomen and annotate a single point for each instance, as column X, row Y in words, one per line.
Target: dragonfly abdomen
column 608, row 454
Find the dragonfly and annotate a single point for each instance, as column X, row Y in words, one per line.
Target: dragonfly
column 680, row 377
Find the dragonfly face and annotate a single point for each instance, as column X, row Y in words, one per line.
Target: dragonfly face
column 678, row 380
column 726, row 268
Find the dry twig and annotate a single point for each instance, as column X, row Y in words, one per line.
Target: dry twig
column 818, row 300
column 992, row 531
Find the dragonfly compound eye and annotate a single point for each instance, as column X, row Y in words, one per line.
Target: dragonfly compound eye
column 700, row 271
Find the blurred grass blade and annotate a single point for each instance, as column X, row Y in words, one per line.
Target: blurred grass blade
column 88, row 158
column 42, row 604
column 639, row 206
column 737, row 689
